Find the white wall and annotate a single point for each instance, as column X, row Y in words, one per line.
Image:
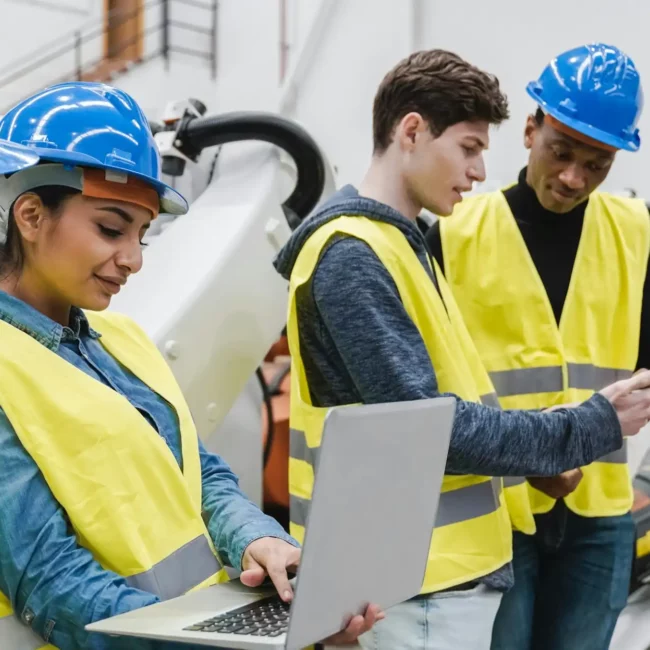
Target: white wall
column 335, row 103
column 511, row 38
column 248, row 51
column 514, row 39
column 363, row 39
column 29, row 28
column 153, row 86
column 34, row 29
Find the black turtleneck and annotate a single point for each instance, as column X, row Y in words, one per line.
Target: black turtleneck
column 552, row 240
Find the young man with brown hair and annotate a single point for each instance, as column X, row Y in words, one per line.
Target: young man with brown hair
column 549, row 275
column 371, row 320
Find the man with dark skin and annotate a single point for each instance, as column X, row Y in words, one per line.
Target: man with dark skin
column 550, row 275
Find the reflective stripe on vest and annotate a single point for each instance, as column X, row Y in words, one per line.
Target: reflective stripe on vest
column 522, row 381
column 15, row 635
column 534, row 361
column 616, row 457
column 585, row 376
column 548, row 379
column 189, row 566
column 454, row 506
column 513, row 481
column 491, row 399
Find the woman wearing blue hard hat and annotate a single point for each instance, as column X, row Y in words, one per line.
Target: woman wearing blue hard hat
column 103, row 479
column 571, row 284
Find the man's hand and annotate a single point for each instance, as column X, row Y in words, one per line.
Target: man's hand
column 631, row 401
column 274, row 557
column 557, row 487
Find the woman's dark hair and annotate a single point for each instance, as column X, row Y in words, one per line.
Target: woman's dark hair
column 12, row 255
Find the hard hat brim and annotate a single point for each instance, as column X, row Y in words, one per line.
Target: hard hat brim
column 631, row 143
column 14, row 157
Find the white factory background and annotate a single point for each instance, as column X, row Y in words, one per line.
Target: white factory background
column 320, row 61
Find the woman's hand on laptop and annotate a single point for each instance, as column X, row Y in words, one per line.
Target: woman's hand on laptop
column 275, row 557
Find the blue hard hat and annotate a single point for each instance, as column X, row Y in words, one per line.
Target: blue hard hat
column 596, row 90
column 87, row 125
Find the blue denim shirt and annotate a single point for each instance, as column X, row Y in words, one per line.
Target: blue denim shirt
column 51, row 580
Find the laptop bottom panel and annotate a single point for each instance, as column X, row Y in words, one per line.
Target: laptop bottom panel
column 167, row 621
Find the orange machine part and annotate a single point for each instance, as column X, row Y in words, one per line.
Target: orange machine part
column 279, row 348
column 276, row 472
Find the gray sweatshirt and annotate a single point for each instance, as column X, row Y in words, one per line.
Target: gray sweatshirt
column 358, row 344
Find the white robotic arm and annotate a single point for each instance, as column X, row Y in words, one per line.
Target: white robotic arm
column 208, row 294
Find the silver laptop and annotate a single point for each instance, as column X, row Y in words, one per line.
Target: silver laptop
column 372, row 514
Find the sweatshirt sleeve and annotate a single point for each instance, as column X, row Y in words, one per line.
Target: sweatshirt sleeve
column 234, row 521
column 387, row 360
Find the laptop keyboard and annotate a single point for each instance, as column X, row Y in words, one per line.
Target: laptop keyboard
column 266, row 617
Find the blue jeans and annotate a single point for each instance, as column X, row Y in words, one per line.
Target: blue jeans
column 571, row 583
column 449, row 620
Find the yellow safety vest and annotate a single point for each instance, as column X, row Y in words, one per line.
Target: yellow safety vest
column 128, row 501
column 473, row 535
column 532, row 362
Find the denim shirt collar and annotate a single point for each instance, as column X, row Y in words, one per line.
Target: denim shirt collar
column 46, row 331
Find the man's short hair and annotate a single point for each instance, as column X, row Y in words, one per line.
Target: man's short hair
column 443, row 88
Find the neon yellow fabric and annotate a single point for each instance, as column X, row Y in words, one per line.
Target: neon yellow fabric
column 533, row 362
column 128, row 501
column 461, row 551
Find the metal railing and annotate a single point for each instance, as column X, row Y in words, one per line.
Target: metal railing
column 73, row 43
